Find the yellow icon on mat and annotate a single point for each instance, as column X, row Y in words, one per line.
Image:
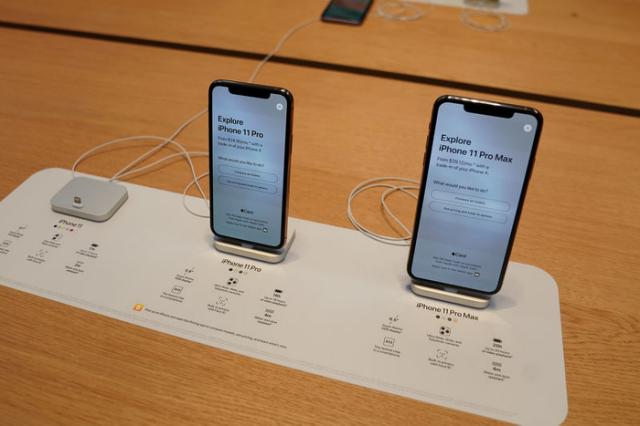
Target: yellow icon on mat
column 138, row 307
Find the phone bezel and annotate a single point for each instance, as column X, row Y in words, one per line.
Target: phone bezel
column 328, row 18
column 496, row 108
column 255, row 90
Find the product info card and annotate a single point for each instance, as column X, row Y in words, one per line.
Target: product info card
column 338, row 306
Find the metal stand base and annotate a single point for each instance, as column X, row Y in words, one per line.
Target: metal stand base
column 89, row 198
column 472, row 301
column 275, row 256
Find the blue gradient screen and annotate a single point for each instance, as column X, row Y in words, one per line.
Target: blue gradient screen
column 347, row 10
column 476, row 172
column 248, row 166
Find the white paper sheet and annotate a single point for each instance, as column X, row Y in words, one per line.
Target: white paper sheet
column 512, row 7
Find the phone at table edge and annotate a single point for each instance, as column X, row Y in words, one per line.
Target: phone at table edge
column 445, row 247
column 342, row 14
column 273, row 108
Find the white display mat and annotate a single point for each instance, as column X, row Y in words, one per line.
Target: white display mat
column 513, row 7
column 338, row 306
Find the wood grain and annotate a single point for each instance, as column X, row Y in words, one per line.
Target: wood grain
column 579, row 49
column 62, row 95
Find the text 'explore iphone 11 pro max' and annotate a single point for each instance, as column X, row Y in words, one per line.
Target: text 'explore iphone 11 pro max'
column 250, row 145
column 477, row 165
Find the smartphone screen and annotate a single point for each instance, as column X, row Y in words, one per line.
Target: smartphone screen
column 477, row 166
column 249, row 162
column 346, row 11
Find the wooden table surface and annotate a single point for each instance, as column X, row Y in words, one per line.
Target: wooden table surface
column 63, row 95
column 574, row 51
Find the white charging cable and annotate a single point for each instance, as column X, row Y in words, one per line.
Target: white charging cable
column 192, row 154
column 279, row 45
column 184, row 195
column 401, row 10
column 481, row 15
column 392, row 185
column 159, row 146
column 129, row 169
column 143, row 138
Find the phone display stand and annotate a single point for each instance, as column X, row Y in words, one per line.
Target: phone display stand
column 269, row 256
column 464, row 299
column 89, row 198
